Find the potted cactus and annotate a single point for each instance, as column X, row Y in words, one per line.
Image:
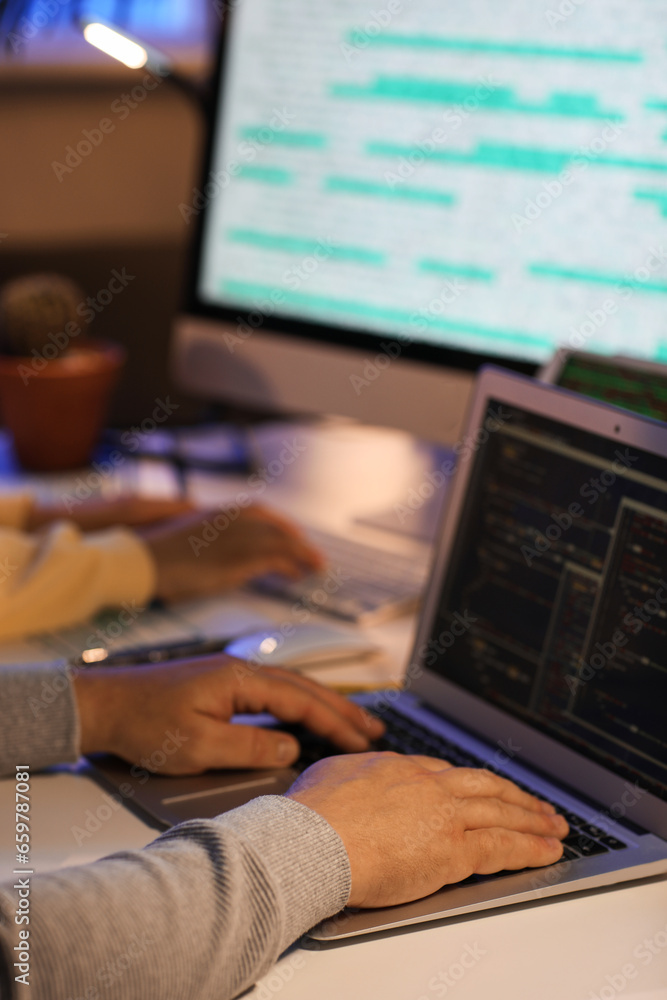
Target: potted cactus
column 55, row 381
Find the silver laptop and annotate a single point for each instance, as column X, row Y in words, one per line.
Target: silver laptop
column 541, row 650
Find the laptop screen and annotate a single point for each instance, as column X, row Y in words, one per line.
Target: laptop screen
column 615, row 381
column 554, row 605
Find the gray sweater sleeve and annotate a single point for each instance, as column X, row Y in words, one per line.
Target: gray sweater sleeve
column 39, row 724
column 202, row 912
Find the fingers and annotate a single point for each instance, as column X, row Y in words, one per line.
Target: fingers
column 292, row 702
column 290, row 564
column 298, row 551
column 470, row 781
column 367, row 724
column 478, row 813
column 270, row 562
column 292, row 538
column 268, row 549
column 497, row 849
column 227, row 745
column 432, row 763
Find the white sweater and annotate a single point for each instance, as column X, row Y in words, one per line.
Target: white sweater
column 58, row 576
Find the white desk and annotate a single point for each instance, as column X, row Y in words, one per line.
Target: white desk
column 562, row 950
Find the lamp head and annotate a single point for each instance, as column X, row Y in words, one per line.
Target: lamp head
column 121, row 46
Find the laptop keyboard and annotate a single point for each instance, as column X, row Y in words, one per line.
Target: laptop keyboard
column 375, row 585
column 404, row 735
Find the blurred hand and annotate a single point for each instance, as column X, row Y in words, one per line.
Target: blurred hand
column 130, row 711
column 192, row 561
column 413, row 824
column 96, row 514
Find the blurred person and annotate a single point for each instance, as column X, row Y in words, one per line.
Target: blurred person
column 57, row 568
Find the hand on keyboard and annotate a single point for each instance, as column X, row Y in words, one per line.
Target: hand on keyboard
column 362, row 583
column 432, row 825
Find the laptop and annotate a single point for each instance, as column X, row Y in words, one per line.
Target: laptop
column 541, row 649
column 633, row 383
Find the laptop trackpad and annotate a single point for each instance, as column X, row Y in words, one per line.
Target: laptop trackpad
column 171, row 800
column 212, row 801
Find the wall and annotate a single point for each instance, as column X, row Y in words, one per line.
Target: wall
column 117, row 208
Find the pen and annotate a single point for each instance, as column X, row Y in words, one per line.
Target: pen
column 98, row 656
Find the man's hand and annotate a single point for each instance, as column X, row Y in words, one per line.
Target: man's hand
column 258, row 541
column 97, row 513
column 413, row 824
column 130, row 711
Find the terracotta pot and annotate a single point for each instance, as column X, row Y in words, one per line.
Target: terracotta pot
column 55, row 415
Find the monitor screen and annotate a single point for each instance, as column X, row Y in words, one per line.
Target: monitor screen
column 613, row 380
column 483, row 178
column 560, row 570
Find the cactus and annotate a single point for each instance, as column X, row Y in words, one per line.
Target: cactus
column 33, row 307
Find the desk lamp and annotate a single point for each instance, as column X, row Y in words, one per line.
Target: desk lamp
column 136, row 54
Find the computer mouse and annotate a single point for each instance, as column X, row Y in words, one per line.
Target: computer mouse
column 309, row 645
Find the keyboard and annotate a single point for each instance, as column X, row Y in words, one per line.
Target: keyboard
column 362, row 583
column 403, row 735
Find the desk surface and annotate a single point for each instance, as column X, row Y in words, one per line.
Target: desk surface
column 594, row 945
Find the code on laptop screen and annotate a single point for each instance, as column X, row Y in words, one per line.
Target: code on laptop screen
column 560, row 574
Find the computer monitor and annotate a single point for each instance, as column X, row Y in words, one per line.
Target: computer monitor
column 393, row 196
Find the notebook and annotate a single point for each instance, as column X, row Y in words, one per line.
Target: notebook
column 541, row 650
